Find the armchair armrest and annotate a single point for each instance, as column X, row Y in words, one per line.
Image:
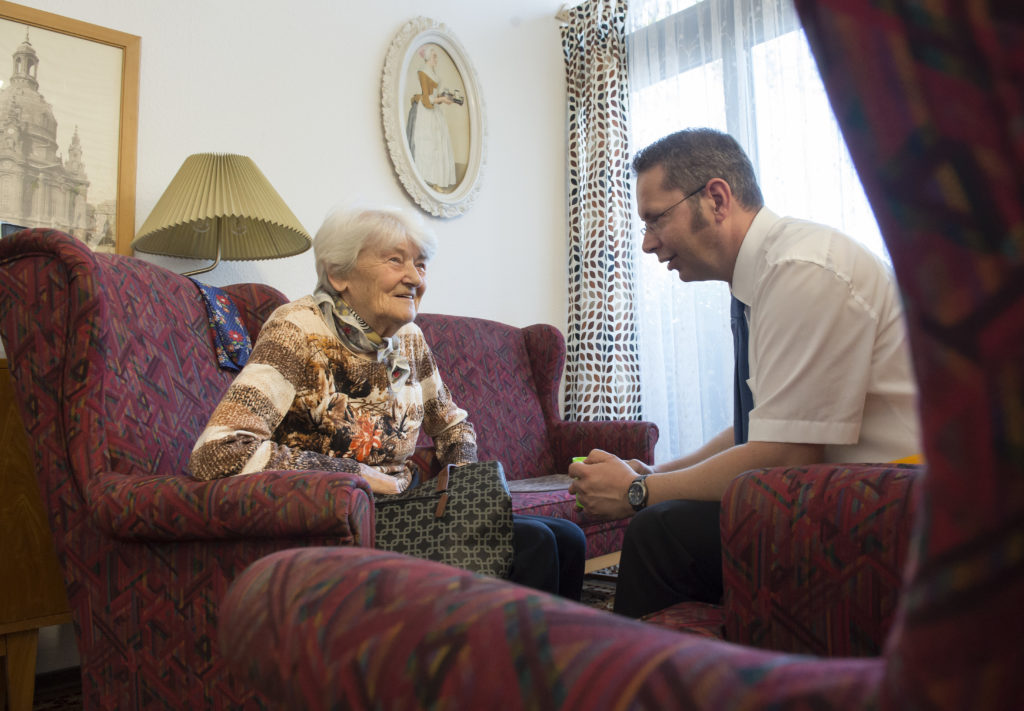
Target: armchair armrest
column 812, row 556
column 273, row 504
column 628, row 439
column 326, row 628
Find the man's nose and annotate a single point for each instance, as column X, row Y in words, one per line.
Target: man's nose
column 650, row 242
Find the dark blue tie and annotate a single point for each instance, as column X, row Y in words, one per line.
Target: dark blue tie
column 743, row 399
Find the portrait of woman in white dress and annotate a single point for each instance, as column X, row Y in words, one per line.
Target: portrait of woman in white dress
column 427, row 130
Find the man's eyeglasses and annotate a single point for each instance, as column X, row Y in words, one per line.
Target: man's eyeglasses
column 652, row 224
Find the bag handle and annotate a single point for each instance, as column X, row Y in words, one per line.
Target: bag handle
column 442, row 488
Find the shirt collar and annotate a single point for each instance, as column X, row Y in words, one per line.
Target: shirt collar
column 742, row 286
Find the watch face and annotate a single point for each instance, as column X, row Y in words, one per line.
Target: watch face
column 635, row 493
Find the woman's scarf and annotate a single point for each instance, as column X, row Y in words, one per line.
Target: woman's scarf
column 359, row 337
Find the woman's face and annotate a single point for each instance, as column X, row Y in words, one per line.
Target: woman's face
column 385, row 286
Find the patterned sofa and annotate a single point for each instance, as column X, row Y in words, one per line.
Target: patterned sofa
column 507, row 378
column 115, row 375
column 930, row 97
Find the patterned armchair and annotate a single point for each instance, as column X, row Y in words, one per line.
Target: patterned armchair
column 811, row 560
column 507, row 378
column 930, row 97
column 115, row 375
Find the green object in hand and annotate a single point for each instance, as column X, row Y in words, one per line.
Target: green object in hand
column 579, row 506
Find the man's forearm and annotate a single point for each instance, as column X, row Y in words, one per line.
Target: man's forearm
column 708, row 480
column 719, row 443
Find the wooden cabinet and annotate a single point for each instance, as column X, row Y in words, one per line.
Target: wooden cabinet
column 32, row 593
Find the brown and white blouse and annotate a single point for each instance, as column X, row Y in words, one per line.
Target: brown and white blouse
column 312, row 397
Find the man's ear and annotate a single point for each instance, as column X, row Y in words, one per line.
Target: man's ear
column 721, row 195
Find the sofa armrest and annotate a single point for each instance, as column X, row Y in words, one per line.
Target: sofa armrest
column 326, row 628
column 272, row 504
column 812, row 556
column 628, row 439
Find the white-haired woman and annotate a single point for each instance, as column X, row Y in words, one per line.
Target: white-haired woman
column 342, row 380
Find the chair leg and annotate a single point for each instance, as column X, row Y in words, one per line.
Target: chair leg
column 20, row 669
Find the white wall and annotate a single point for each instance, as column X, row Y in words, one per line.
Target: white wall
column 296, row 86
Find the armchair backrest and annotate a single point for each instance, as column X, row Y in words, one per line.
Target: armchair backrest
column 113, row 352
column 507, row 379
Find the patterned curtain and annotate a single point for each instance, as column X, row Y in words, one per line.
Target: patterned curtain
column 602, row 375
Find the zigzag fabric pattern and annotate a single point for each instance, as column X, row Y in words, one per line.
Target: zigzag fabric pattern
column 930, row 97
column 458, row 640
column 602, row 378
column 812, row 557
column 114, row 369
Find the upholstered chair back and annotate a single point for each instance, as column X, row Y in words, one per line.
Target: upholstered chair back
column 507, row 379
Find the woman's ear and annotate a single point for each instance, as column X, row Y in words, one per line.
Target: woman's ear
column 337, row 283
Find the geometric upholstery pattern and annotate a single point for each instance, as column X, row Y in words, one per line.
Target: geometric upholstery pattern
column 507, row 379
column 811, row 559
column 934, row 118
column 115, row 375
column 930, row 99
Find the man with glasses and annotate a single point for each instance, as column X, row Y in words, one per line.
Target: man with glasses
column 829, row 367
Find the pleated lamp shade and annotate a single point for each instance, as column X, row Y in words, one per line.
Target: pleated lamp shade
column 220, row 206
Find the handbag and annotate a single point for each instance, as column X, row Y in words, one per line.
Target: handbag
column 462, row 517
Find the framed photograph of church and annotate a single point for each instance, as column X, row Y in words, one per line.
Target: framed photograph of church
column 433, row 115
column 69, row 102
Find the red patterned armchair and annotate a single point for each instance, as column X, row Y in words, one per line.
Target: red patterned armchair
column 507, row 378
column 811, row 560
column 115, row 374
column 930, row 97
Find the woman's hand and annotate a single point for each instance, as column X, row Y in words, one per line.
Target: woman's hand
column 601, row 482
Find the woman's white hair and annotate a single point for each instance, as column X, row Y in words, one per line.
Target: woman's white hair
column 348, row 231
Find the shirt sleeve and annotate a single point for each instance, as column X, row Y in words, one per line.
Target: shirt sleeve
column 811, row 343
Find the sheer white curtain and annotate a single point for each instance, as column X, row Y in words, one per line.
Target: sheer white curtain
column 741, row 66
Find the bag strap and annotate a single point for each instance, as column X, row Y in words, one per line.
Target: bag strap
column 442, row 488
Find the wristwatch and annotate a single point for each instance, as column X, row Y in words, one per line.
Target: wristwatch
column 637, row 492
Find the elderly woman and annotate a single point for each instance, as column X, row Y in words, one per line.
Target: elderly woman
column 342, row 380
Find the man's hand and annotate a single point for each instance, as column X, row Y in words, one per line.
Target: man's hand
column 640, row 467
column 601, row 482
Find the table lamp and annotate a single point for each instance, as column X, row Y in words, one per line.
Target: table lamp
column 220, row 206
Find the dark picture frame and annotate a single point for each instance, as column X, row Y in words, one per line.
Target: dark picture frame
column 89, row 77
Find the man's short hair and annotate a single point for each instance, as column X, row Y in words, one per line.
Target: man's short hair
column 694, row 155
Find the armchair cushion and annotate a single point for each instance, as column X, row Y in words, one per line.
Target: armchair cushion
column 320, row 629
column 273, row 504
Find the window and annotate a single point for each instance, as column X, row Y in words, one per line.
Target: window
column 744, row 67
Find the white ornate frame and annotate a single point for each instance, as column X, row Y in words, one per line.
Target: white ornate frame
column 394, row 108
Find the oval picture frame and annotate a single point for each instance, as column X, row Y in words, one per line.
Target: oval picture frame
column 429, row 87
